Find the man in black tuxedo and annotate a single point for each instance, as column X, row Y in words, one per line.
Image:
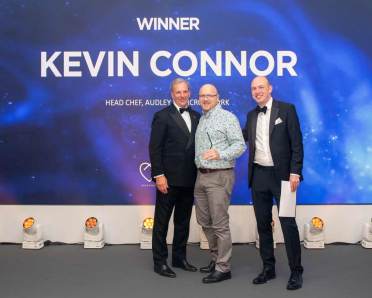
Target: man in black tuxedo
column 275, row 153
column 172, row 153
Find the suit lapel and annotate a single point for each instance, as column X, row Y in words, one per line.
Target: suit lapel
column 273, row 116
column 179, row 120
column 253, row 128
column 194, row 123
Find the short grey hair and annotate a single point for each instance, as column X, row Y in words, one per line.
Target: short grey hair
column 178, row 81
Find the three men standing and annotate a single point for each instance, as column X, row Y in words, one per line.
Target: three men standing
column 172, row 153
column 275, row 153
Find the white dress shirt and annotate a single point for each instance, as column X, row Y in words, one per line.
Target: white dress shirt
column 186, row 116
column 263, row 154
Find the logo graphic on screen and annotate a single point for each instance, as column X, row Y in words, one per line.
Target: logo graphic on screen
column 145, row 171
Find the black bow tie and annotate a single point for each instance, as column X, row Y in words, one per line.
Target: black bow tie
column 185, row 110
column 263, row 109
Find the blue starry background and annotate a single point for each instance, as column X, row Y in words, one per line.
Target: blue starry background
column 60, row 143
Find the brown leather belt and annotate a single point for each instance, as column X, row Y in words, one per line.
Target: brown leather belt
column 205, row 171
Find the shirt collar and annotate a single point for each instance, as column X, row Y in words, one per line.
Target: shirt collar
column 212, row 111
column 177, row 107
column 269, row 104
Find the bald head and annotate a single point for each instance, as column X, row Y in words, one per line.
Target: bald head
column 260, row 80
column 208, row 88
column 261, row 90
column 208, row 97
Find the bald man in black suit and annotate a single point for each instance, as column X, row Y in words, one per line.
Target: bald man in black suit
column 275, row 153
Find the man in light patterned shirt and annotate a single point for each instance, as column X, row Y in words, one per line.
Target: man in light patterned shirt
column 218, row 142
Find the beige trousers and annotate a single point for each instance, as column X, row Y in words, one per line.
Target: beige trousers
column 212, row 200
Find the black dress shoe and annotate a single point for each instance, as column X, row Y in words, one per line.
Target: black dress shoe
column 209, row 268
column 216, row 276
column 264, row 276
column 295, row 281
column 184, row 265
column 164, row 270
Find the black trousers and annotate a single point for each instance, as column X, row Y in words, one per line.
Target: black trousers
column 265, row 186
column 181, row 200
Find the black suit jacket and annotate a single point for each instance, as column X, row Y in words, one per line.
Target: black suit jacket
column 172, row 147
column 285, row 141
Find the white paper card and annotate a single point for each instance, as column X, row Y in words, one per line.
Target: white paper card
column 287, row 206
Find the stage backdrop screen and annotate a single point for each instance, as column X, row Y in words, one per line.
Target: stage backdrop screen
column 81, row 80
